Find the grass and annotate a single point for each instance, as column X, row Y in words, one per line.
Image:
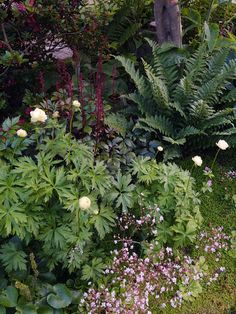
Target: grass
column 218, row 209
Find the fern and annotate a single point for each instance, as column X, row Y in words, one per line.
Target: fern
column 159, row 88
column 160, row 123
column 179, row 105
column 117, row 122
column 139, row 80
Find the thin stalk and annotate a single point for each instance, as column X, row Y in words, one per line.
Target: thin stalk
column 213, row 163
column 71, row 121
column 191, row 171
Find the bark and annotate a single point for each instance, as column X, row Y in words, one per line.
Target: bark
column 168, row 21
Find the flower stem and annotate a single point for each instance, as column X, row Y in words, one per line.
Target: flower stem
column 213, row 163
column 191, row 171
column 71, row 121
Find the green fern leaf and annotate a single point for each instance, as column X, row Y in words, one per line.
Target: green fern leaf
column 135, row 75
column 160, row 123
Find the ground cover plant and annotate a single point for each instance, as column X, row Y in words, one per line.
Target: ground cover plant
column 98, row 212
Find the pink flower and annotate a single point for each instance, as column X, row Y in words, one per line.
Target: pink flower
column 209, row 183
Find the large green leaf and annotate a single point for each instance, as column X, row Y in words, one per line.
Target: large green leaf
column 61, row 297
column 45, row 310
column 9, row 297
column 27, row 309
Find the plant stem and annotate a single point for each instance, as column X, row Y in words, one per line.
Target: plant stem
column 191, row 171
column 71, row 121
column 213, row 163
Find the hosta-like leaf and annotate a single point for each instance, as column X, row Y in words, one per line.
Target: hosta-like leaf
column 61, row 297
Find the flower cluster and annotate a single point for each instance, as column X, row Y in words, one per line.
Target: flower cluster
column 160, row 278
column 215, row 241
column 231, row 174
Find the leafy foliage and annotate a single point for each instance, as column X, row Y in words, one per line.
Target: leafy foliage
column 184, row 103
column 171, row 189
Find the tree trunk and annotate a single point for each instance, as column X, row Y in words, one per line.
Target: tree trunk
column 168, row 22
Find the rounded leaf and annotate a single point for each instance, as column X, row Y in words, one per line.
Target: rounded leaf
column 60, row 298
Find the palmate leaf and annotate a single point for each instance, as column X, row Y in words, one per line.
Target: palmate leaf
column 98, row 178
column 12, row 219
column 145, row 169
column 12, row 258
column 10, row 187
column 53, row 180
column 56, row 237
column 93, row 271
column 26, row 167
column 103, row 221
column 122, row 193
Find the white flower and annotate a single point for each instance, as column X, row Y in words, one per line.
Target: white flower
column 96, row 212
column 160, row 148
column 56, row 114
column 84, row 202
column 38, row 115
column 197, row 160
column 222, row 144
column 21, row 133
column 76, row 104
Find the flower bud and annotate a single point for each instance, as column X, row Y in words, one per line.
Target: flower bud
column 197, row 160
column 76, row 104
column 222, row 144
column 84, row 202
column 38, row 115
column 21, row 133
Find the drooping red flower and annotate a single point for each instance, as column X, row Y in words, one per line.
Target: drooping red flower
column 20, row 6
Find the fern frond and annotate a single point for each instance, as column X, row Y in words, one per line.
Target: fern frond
column 212, row 90
column 230, row 97
column 216, row 121
column 158, row 86
column 200, row 110
column 177, row 107
column 184, row 92
column 160, row 123
column 180, row 141
column 139, row 80
column 163, row 64
column 145, row 104
column 227, row 132
column 188, row 131
column 195, row 66
column 215, row 64
column 123, row 31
